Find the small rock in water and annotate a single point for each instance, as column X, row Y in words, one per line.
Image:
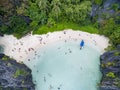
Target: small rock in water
column 49, row 75
column 50, row 87
column 28, row 59
column 59, row 48
column 44, row 79
column 58, row 88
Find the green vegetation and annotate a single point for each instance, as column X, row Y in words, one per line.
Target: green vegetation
column 115, row 36
column 115, row 6
column 117, row 53
column 98, row 1
column 20, row 72
column 5, row 58
column 43, row 16
column 110, row 64
column 110, row 48
column 117, row 82
column 112, row 30
column 9, row 64
column 61, row 26
column 17, row 27
column 110, row 75
column 102, row 65
column 55, row 15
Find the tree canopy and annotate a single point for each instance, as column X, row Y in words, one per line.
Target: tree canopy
column 22, row 17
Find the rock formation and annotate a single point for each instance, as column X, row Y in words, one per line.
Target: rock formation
column 110, row 68
column 14, row 76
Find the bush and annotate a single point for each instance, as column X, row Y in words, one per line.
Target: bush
column 110, row 75
column 107, row 27
column 5, row 58
column 98, row 1
column 65, row 25
column 50, row 22
column 115, row 6
column 115, row 37
column 117, row 53
column 117, row 81
column 108, row 64
column 20, row 72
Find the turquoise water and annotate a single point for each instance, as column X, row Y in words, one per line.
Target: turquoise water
column 63, row 66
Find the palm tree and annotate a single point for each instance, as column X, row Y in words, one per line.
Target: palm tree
column 56, row 11
column 44, row 6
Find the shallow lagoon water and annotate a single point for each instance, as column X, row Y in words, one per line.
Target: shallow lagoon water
column 63, row 66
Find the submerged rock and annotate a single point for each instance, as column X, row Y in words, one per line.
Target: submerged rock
column 14, row 76
column 110, row 68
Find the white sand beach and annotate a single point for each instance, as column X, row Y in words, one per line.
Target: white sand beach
column 20, row 49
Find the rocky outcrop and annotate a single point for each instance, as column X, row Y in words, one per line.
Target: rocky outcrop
column 110, row 68
column 14, row 76
column 105, row 10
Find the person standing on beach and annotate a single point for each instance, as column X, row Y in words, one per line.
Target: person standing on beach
column 81, row 44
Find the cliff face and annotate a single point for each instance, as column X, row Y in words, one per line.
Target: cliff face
column 110, row 67
column 14, row 76
column 105, row 10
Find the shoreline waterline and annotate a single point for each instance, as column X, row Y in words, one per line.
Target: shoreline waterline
column 20, row 49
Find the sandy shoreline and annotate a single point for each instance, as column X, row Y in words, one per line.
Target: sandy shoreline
column 22, row 48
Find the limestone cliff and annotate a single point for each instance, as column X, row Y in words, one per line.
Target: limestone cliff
column 110, row 67
column 14, row 76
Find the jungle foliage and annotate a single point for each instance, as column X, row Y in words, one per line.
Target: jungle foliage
column 42, row 16
column 47, row 13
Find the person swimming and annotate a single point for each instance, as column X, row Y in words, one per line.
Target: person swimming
column 81, row 44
